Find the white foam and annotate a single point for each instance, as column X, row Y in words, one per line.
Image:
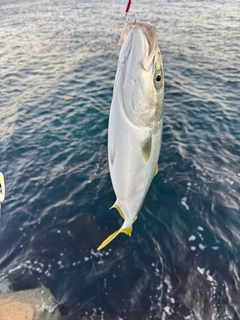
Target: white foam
column 192, row 238
column 200, row 236
column 159, row 287
column 201, row 246
column 14, row 269
column 210, row 278
column 183, row 202
column 168, row 310
column 201, row 270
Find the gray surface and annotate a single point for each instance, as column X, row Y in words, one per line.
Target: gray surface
column 40, row 299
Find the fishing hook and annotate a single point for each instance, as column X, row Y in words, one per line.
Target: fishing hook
column 126, row 13
column 126, row 18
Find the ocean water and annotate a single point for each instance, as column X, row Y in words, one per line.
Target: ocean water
column 57, row 66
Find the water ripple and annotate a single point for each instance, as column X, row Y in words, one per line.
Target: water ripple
column 58, row 65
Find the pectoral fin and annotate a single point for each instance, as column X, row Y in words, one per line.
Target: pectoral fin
column 146, row 147
column 112, row 152
column 128, row 231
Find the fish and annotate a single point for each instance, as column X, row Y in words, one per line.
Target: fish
column 135, row 121
column 2, row 192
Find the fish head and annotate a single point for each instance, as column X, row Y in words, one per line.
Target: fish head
column 140, row 77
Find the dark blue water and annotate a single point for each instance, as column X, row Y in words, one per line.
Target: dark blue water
column 57, row 65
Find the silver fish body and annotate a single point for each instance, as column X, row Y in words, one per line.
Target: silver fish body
column 135, row 121
column 2, row 193
column 2, row 188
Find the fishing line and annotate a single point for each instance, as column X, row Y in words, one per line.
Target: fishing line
column 128, row 6
column 123, row 12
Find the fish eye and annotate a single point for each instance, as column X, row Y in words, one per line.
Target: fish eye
column 158, row 80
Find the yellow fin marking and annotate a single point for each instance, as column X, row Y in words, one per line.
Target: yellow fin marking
column 116, row 206
column 156, row 172
column 128, row 231
column 109, row 239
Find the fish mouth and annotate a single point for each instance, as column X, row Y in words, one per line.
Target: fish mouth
column 139, row 41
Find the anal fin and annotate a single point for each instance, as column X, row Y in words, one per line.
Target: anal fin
column 156, row 171
column 116, row 206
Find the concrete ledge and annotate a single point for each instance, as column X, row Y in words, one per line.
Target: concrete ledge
column 35, row 304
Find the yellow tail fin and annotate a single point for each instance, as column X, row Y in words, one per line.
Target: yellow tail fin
column 128, row 231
